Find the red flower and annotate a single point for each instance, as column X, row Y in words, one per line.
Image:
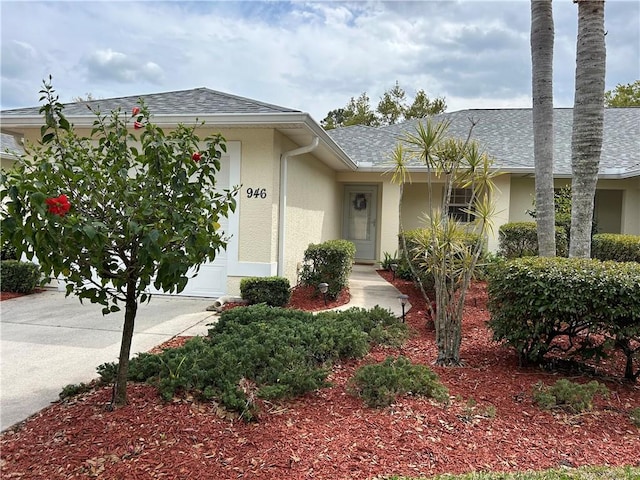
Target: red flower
column 196, row 156
column 137, row 125
column 58, row 205
column 135, row 111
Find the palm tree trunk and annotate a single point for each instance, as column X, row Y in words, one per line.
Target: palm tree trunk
column 588, row 120
column 542, row 35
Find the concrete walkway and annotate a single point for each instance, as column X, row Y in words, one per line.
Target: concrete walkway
column 369, row 289
column 48, row 341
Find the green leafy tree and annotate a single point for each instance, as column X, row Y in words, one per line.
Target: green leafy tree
column 359, row 112
column 423, row 106
column 116, row 212
column 335, row 118
column 392, row 108
column 623, row 95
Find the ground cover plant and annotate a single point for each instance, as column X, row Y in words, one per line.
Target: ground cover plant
column 263, row 353
column 490, row 424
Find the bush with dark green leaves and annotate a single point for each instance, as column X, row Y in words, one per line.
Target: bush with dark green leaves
column 379, row 385
column 329, row 262
column 274, row 291
column 8, row 251
column 567, row 395
column 263, row 352
column 594, row 305
column 618, row 247
column 19, row 277
column 520, row 239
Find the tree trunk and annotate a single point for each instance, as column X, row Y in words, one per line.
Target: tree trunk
column 542, row 35
column 120, row 389
column 588, row 120
column 448, row 326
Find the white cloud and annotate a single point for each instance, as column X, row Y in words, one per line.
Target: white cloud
column 108, row 65
column 312, row 56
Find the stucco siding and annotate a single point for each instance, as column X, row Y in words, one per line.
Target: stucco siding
column 415, row 203
column 389, row 220
column 630, row 221
column 522, row 196
column 502, row 196
column 6, row 164
column 314, row 209
column 256, row 210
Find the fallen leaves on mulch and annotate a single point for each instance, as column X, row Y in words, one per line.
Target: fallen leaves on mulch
column 490, row 424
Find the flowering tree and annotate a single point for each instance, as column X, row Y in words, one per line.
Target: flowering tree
column 116, row 212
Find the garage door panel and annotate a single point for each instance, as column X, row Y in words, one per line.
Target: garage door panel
column 211, row 281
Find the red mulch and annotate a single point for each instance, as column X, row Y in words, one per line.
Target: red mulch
column 331, row 435
column 10, row 295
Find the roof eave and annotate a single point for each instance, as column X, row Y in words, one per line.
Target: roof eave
column 12, row 124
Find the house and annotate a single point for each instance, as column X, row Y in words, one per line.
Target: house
column 302, row 185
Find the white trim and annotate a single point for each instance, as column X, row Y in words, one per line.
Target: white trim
column 252, row 269
column 236, row 268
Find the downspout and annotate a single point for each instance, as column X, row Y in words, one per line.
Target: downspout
column 282, row 208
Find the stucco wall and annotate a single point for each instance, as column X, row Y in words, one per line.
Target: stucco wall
column 6, row 163
column 314, row 208
column 617, row 206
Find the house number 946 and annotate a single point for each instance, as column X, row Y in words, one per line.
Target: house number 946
column 256, row 193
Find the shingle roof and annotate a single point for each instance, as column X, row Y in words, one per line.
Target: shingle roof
column 365, row 144
column 198, row 101
column 507, row 135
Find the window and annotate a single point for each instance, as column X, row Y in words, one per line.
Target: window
column 459, row 202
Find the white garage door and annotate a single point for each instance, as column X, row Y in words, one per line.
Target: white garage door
column 211, row 280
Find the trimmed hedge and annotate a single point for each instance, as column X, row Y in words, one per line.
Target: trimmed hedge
column 274, row 291
column 19, row 277
column 329, row 262
column 612, row 246
column 520, row 239
column 534, row 301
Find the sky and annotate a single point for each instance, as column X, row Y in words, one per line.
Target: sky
column 310, row 56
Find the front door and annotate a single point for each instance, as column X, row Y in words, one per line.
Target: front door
column 360, row 219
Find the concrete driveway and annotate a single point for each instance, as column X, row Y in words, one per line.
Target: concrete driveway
column 48, row 341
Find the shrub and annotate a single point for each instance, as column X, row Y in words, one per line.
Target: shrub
column 73, row 390
column 8, row 252
column 534, row 300
column 329, row 262
column 621, row 248
column 19, row 277
column 274, row 291
column 520, row 239
column 261, row 352
column 389, row 260
column 379, row 385
column 381, row 326
column 574, row 397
